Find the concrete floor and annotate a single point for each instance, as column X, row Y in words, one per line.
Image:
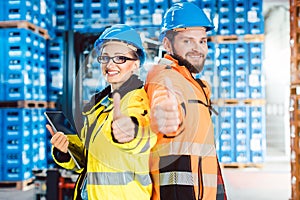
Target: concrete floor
column 269, row 182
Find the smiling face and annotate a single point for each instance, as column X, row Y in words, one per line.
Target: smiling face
column 117, row 74
column 190, row 45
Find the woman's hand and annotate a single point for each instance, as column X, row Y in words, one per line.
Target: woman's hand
column 123, row 128
column 59, row 140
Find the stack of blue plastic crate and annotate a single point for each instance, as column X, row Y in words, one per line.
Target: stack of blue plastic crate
column 240, row 82
column 225, row 68
column 62, row 13
column 240, row 134
column 23, row 79
column 94, row 15
column 239, row 68
column 240, row 17
column 55, row 61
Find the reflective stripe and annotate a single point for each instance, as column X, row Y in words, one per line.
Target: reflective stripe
column 116, row 178
column 210, row 180
column 186, row 178
column 186, row 148
column 177, row 178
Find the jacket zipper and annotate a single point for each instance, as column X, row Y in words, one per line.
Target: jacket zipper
column 200, row 180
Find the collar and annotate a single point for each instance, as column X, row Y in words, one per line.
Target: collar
column 180, row 68
column 131, row 84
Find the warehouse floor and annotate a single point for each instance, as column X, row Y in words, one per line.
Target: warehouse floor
column 270, row 181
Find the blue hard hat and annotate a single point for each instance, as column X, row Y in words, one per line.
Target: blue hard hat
column 124, row 33
column 184, row 15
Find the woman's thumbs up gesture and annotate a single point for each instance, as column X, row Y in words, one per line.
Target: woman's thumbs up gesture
column 123, row 128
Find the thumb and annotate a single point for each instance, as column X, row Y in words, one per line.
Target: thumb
column 117, row 106
column 169, row 88
column 50, row 129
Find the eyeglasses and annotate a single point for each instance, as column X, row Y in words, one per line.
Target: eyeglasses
column 116, row 59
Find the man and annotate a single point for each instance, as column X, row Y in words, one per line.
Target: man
column 184, row 163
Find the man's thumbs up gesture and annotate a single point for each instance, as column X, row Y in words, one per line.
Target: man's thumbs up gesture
column 123, row 128
column 164, row 109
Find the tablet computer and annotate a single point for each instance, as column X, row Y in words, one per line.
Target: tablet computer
column 60, row 123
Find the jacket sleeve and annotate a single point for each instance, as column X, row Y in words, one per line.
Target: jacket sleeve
column 64, row 159
column 136, row 105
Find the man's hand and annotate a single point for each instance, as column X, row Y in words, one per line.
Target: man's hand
column 123, row 128
column 164, row 109
column 59, row 140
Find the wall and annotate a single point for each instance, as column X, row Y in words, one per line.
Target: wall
column 277, row 73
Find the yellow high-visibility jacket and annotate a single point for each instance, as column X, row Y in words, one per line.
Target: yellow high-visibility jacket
column 115, row 170
column 184, row 164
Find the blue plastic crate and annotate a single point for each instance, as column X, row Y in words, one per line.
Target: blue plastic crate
column 225, row 71
column 17, row 77
column 55, row 80
column 56, row 45
column 55, row 58
column 96, row 10
column 15, row 142
column 62, row 12
column 17, row 172
column 241, row 49
column 242, row 124
column 79, row 15
column 62, row 4
column 112, row 12
column 255, row 17
column 209, row 8
column 240, row 22
column 12, row 157
column 145, row 11
column 17, row 92
column 226, row 120
column 242, row 156
column 53, row 95
column 16, row 127
column 158, row 10
column 257, row 133
column 16, row 115
column 19, row 50
column 225, row 20
column 257, row 92
column 255, row 51
column 48, row 17
column 241, row 71
column 16, row 10
column 61, row 23
column 226, row 156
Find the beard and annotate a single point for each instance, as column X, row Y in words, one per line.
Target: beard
column 184, row 62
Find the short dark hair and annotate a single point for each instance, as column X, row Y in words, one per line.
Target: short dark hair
column 171, row 35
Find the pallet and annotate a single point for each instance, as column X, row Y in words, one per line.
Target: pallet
column 241, row 165
column 238, row 38
column 23, row 104
column 18, row 185
column 26, row 25
column 237, row 102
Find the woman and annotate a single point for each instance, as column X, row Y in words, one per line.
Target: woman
column 116, row 134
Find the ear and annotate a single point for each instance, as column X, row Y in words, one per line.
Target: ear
column 167, row 45
column 136, row 64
